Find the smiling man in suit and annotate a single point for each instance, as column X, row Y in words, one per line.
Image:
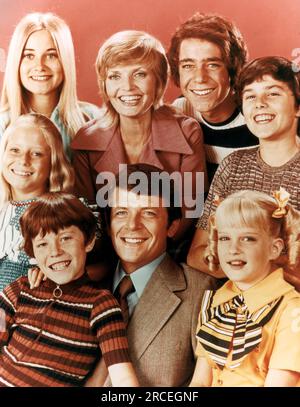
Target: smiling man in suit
column 164, row 297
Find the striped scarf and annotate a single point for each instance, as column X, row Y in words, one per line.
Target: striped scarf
column 230, row 327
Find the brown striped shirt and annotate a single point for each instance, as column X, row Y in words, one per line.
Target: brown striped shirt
column 52, row 341
column 244, row 169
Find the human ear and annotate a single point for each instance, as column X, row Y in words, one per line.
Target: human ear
column 172, row 229
column 276, row 249
column 298, row 111
column 90, row 244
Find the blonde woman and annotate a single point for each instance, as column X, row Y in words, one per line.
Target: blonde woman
column 135, row 126
column 40, row 76
column 32, row 162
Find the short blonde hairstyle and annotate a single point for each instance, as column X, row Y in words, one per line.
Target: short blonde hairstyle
column 255, row 209
column 61, row 174
column 126, row 48
column 12, row 98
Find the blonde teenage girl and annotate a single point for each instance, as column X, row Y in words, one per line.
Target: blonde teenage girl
column 40, row 76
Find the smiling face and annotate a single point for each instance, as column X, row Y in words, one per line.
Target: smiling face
column 269, row 109
column 61, row 257
column 27, row 163
column 204, row 79
column 139, row 228
column 131, row 89
column 41, row 72
column 246, row 253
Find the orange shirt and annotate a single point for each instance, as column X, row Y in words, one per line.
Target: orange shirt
column 280, row 344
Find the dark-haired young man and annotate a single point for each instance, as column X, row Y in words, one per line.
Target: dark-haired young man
column 206, row 55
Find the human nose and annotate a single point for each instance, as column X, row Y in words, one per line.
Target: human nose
column 200, row 73
column 25, row 158
column 39, row 62
column 127, row 82
column 234, row 247
column 260, row 101
column 133, row 221
column 55, row 248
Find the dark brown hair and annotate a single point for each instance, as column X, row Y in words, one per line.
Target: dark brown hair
column 215, row 29
column 279, row 68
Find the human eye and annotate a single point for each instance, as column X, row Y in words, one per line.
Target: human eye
column 52, row 55
column 150, row 213
column 223, row 238
column 274, row 94
column 248, row 239
column 28, row 55
column 249, row 97
column 40, row 245
column 37, row 154
column 120, row 213
column 66, row 238
column 14, row 150
column 113, row 76
column 140, row 74
column 213, row 65
column 187, row 66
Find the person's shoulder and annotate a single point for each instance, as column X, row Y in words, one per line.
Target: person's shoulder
column 92, row 136
column 15, row 287
column 197, row 279
column 183, row 106
column 170, row 117
column 292, row 297
column 241, row 154
column 90, row 110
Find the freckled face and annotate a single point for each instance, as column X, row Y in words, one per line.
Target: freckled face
column 61, row 257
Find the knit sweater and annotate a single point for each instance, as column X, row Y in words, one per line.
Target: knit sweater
column 53, row 337
column 244, row 169
column 220, row 139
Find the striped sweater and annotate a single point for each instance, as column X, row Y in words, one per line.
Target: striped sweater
column 48, row 341
column 220, row 139
column 244, row 169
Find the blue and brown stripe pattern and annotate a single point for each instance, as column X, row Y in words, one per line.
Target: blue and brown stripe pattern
column 230, row 327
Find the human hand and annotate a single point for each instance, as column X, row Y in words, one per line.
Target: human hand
column 35, row 277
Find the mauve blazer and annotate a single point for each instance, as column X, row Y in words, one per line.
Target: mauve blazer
column 176, row 144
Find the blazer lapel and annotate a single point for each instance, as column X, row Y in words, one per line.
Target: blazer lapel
column 113, row 155
column 156, row 305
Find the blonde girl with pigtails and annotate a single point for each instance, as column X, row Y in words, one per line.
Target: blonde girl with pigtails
column 249, row 330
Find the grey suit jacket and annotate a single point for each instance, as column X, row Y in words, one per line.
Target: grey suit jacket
column 162, row 328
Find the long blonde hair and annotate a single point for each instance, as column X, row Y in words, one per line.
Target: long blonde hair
column 255, row 209
column 61, row 175
column 12, row 98
column 130, row 47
